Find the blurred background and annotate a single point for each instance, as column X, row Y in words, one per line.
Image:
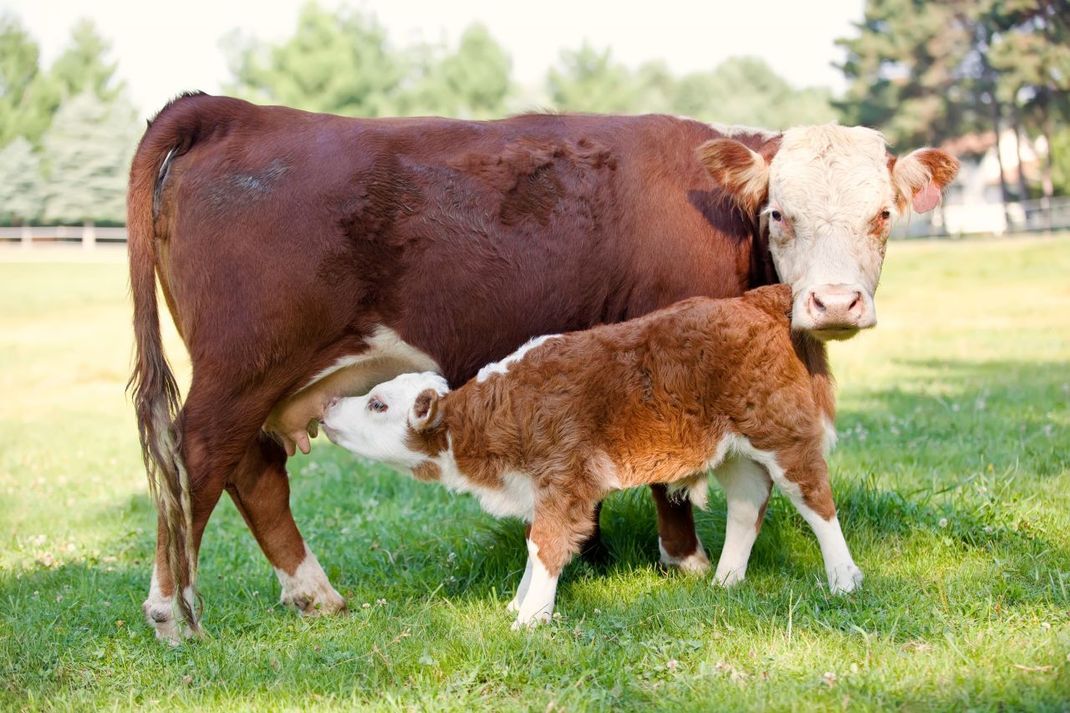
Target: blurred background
column 986, row 79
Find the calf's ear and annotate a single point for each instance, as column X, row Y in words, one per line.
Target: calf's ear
column 425, row 413
column 921, row 176
column 743, row 173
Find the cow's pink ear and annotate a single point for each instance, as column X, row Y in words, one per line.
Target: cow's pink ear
column 425, row 413
column 921, row 176
column 743, row 173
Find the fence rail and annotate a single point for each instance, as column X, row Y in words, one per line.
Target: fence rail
column 88, row 236
column 950, row 220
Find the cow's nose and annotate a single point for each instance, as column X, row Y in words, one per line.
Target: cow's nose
column 839, row 307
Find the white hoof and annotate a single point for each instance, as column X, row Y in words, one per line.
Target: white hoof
column 308, row 589
column 845, row 579
column 731, row 577
column 696, row 563
column 530, row 623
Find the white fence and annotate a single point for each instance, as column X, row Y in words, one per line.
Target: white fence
column 88, row 236
column 950, row 220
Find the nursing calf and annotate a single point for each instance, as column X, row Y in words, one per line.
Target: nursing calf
column 721, row 385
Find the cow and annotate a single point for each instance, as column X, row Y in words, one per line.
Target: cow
column 703, row 385
column 304, row 256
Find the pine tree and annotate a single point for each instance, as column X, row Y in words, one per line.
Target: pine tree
column 87, row 153
column 20, row 182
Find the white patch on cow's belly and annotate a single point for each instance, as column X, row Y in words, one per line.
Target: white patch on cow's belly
column 515, row 497
column 384, row 345
column 502, row 367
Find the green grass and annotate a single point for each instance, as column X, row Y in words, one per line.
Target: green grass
column 952, row 476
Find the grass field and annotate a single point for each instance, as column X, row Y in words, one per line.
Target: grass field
column 952, row 477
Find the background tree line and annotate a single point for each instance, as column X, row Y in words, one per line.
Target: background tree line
column 922, row 72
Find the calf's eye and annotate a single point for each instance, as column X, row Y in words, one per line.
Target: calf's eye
column 374, row 404
column 886, row 214
column 775, row 215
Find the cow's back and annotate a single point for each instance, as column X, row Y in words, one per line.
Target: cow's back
column 305, row 232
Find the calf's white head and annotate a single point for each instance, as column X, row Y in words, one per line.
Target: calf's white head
column 827, row 199
column 378, row 425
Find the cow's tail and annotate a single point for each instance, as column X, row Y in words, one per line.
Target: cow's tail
column 152, row 385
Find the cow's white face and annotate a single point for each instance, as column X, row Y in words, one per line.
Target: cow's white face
column 827, row 200
column 378, row 425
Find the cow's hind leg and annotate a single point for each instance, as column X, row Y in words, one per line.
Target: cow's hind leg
column 746, row 485
column 208, row 457
column 212, row 450
column 260, row 490
column 678, row 542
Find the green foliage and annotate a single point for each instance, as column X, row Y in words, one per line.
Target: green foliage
column 83, row 65
column 27, row 96
column 30, row 96
column 87, row 153
column 588, row 79
column 338, row 62
column 20, row 182
column 470, row 82
column 745, row 90
column 909, row 69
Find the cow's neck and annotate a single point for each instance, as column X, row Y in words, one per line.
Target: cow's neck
column 813, row 353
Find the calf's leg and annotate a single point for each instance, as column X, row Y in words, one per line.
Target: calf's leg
column 678, row 542
column 260, row 490
column 807, row 485
column 557, row 531
column 747, row 486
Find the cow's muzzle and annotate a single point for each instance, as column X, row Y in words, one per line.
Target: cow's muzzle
column 835, row 311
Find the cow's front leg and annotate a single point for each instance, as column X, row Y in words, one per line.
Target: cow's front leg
column 261, row 492
column 678, row 542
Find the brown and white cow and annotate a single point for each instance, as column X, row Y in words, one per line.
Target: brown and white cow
column 303, row 256
column 704, row 385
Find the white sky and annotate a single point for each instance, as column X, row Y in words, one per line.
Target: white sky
column 164, row 48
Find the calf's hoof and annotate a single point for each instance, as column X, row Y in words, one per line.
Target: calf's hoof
column 523, row 623
column 696, row 563
column 730, row 578
column 845, row 579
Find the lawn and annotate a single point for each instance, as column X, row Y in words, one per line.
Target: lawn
column 952, row 477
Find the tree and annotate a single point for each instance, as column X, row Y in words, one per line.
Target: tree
column 746, row 90
column 911, row 69
column 1031, row 54
column 471, row 82
column 83, row 65
column 87, row 152
column 590, row 80
column 27, row 97
column 30, row 97
column 335, row 62
column 20, row 182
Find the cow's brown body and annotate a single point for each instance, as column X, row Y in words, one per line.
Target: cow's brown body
column 282, row 239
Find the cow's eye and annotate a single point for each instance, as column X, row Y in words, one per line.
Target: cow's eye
column 775, row 215
column 886, row 214
column 374, row 404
